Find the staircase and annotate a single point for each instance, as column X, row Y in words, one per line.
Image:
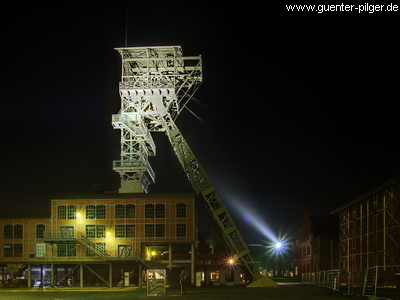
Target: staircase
column 61, row 236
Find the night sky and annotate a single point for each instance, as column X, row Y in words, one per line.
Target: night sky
column 297, row 107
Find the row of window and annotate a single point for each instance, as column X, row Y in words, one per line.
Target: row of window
column 129, row 230
column 128, row 211
column 99, row 231
column 16, row 231
column 63, row 250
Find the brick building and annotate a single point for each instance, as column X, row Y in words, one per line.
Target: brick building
column 316, row 248
column 370, row 235
column 100, row 238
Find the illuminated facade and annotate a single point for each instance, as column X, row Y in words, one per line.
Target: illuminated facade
column 93, row 239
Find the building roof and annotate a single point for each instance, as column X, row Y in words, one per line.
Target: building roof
column 362, row 197
column 124, row 196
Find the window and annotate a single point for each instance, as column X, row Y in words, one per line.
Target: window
column 160, row 210
column 119, row 211
column 125, row 211
column 160, row 230
column 90, row 231
column 149, row 230
column 124, row 250
column 101, row 247
column 18, row 231
column 95, row 231
column 181, row 230
column 130, row 211
column 100, row 212
column 149, row 211
column 90, row 212
column 17, row 250
column 125, row 230
column 100, row 231
column 8, row 231
column 8, row 250
column 71, row 212
column 130, row 230
column 65, row 212
column 66, row 250
column 214, row 276
column 40, row 228
column 229, row 273
column 95, row 212
column 40, row 249
column 12, row 250
column 181, row 210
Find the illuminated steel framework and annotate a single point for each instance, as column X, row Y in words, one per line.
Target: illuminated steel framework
column 370, row 231
column 156, row 84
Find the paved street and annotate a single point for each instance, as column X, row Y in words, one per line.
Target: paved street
column 298, row 292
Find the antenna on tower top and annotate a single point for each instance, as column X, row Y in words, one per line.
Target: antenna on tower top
column 126, row 28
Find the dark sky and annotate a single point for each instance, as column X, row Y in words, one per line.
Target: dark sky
column 302, row 106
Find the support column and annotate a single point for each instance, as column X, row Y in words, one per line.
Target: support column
column 41, row 276
column 110, row 275
column 192, row 271
column 140, row 275
column 29, row 275
column 170, row 257
column 81, row 275
column 52, row 274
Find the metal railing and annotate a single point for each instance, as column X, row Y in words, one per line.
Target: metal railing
column 379, row 281
column 328, row 279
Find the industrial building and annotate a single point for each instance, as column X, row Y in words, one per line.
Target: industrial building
column 97, row 239
column 369, row 246
column 316, row 247
column 110, row 238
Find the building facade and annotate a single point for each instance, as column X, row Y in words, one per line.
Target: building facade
column 106, row 239
column 316, row 248
column 370, row 234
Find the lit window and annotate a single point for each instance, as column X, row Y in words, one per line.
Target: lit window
column 90, row 212
column 71, row 213
column 90, row 231
column 100, row 212
column 214, row 276
column 40, row 249
column 61, row 212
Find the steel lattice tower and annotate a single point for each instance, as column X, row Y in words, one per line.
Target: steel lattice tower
column 156, row 84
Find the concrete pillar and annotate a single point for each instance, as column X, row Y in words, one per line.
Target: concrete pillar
column 52, row 274
column 170, row 257
column 192, row 270
column 81, row 284
column 29, row 275
column 110, row 275
column 140, row 275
